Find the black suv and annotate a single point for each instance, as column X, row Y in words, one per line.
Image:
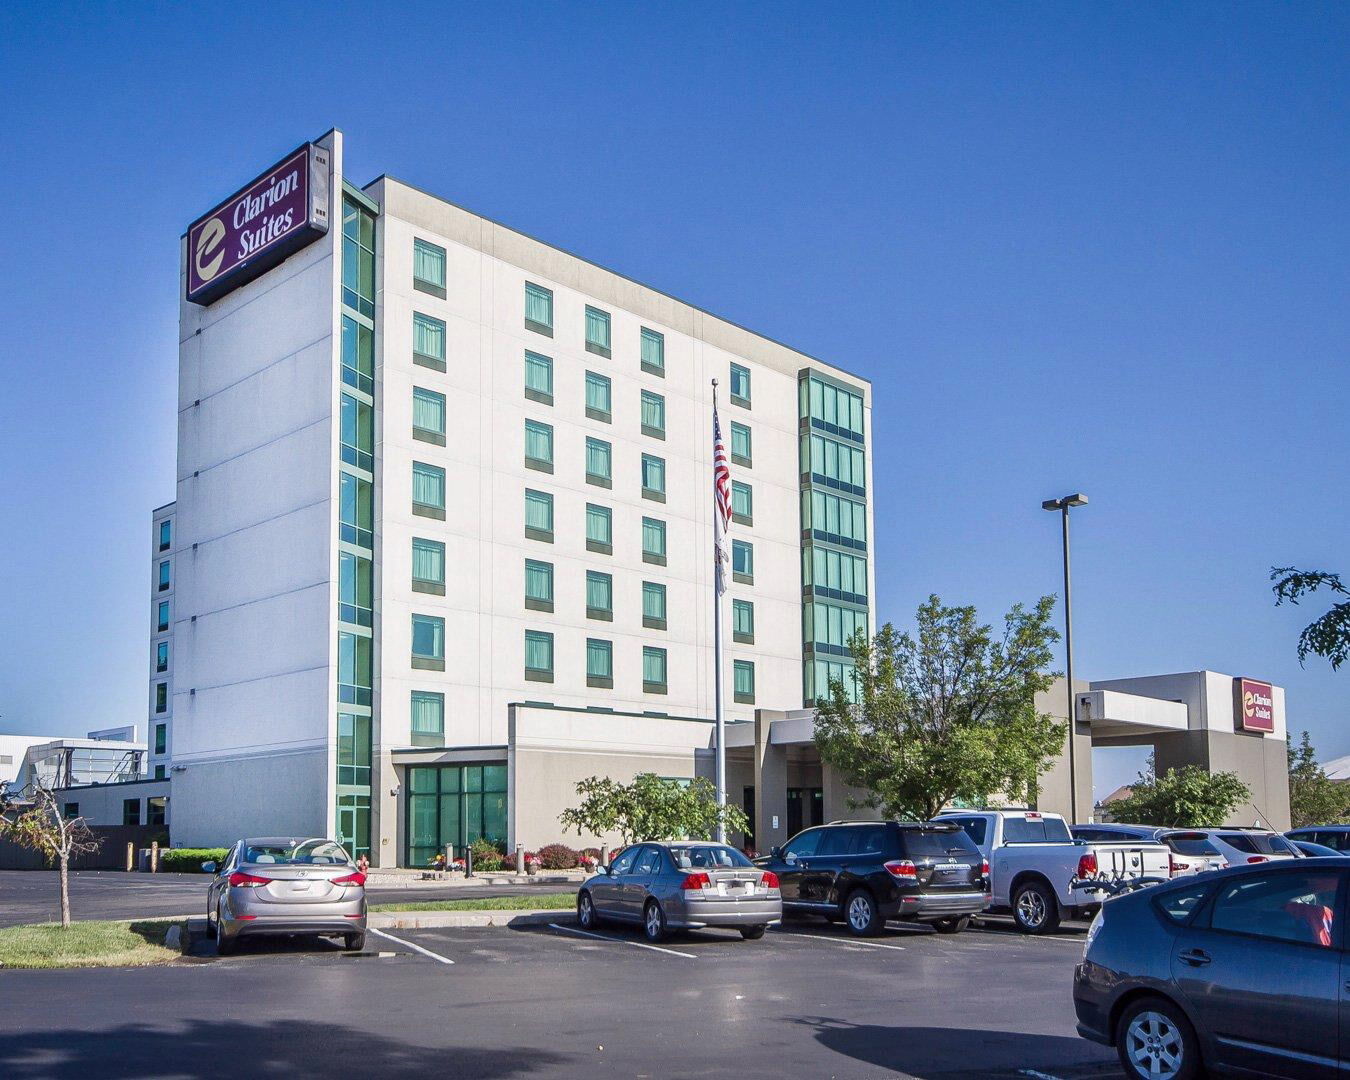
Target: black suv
column 865, row 872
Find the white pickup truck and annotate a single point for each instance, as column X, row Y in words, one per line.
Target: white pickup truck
column 1033, row 859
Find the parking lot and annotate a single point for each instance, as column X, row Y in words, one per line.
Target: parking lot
column 551, row 1000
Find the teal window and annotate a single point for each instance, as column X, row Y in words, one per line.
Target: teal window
column 428, row 488
column 538, row 585
column 599, row 528
column 599, row 595
column 743, row 621
column 539, row 515
column 165, row 535
column 835, row 574
column 832, row 408
column 740, row 384
column 834, row 463
column 742, row 503
column 743, row 561
column 428, row 562
column 161, row 697
column 598, row 454
column 832, row 626
column 538, row 656
column 539, row 309
column 156, row 807
column 741, row 445
column 743, row 681
column 835, row 519
column 355, row 588
column 358, row 258
column 161, row 738
column 429, row 267
column 162, row 617
column 539, row 445
column 356, row 510
column 428, row 341
column 428, row 411
column 131, row 811
column 164, row 575
column 539, row 377
column 599, row 663
column 653, row 605
column 453, row 804
column 353, row 750
column 428, row 719
column 599, row 398
column 653, row 477
column 653, row 670
column 354, row 668
column 653, row 414
column 654, row 541
column 162, row 656
column 358, row 355
column 358, row 433
column 597, row 331
column 428, row 637
column 653, row 352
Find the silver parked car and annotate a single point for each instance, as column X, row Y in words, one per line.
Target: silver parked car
column 682, row 885
column 286, row 885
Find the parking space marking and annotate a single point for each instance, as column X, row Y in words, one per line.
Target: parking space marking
column 416, row 948
column 621, row 941
column 840, row 941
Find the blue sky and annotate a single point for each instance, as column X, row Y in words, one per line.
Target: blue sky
column 1076, row 247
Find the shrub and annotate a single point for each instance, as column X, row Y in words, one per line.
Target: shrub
column 558, row 857
column 486, row 855
column 189, row 860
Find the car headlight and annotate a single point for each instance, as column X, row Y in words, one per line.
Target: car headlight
column 1093, row 930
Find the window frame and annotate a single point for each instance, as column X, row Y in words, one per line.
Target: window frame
column 595, row 412
column 434, row 660
column 539, row 603
column 425, row 359
column 652, row 686
column 426, row 738
column 604, row 448
column 427, row 285
column 653, row 621
column 738, row 667
column 431, row 472
column 659, row 526
column 659, row 400
column 594, row 543
column 544, row 295
column 435, row 586
column 600, row 680
column 743, row 637
column 539, row 360
column 655, row 494
column 741, row 488
column 605, row 579
column 541, row 498
column 658, row 367
column 426, row 434
column 746, row 461
column 600, row 318
column 745, row 577
column 741, row 373
column 539, row 428
column 540, row 674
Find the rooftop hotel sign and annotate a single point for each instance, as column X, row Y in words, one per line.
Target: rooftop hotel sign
column 1254, row 705
column 259, row 226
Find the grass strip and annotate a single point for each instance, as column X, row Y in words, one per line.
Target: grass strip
column 558, row 901
column 86, row 944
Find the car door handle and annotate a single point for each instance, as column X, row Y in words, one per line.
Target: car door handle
column 1196, row 957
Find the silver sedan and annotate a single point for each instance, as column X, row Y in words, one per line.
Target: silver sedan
column 682, row 885
column 286, row 885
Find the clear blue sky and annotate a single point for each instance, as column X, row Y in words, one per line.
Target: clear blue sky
column 1076, row 247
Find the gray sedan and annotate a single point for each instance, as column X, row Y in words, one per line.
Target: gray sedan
column 286, row 885
column 682, row 885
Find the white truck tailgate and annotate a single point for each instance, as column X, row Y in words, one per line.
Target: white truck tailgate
column 1132, row 860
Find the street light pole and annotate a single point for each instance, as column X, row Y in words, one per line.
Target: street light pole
column 1063, row 505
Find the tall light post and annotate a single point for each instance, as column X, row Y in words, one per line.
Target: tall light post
column 1063, row 505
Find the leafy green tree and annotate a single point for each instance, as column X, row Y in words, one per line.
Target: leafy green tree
column 1185, row 798
column 944, row 713
column 1314, row 798
column 650, row 808
column 1329, row 635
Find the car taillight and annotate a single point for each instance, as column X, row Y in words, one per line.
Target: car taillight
column 1087, row 865
column 698, row 880
column 770, row 880
column 984, row 868
column 903, row 869
column 357, row 878
column 240, row 880
column 1175, row 866
column 1257, row 858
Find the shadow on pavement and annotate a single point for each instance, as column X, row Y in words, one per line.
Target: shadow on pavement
column 231, row 1048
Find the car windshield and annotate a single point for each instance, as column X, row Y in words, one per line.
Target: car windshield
column 707, row 857
column 938, row 843
column 1194, row 844
column 1027, row 830
column 1257, row 843
column 297, row 852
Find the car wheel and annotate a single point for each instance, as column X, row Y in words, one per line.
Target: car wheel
column 654, row 922
column 861, row 914
column 224, row 943
column 1155, row 1041
column 586, row 915
column 953, row 925
column 753, row 933
column 1034, row 909
column 354, row 942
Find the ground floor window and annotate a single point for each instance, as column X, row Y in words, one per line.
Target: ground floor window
column 353, row 822
column 453, row 804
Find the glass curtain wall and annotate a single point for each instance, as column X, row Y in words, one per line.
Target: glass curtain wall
column 453, row 804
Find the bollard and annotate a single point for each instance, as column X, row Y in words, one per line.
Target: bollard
column 449, row 857
column 604, row 854
column 131, row 857
column 468, row 862
column 520, row 859
column 154, row 857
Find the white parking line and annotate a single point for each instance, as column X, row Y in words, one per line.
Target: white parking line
column 416, row 948
column 621, row 941
column 844, row 941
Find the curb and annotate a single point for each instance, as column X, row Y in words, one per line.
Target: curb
column 426, row 920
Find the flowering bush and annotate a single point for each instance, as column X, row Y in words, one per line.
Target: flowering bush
column 486, row 855
column 558, row 857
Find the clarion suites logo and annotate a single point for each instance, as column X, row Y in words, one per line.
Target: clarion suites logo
column 1255, row 705
column 259, row 226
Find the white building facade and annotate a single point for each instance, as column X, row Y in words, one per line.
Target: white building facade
column 442, row 542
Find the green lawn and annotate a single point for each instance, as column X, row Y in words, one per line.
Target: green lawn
column 559, row 901
column 86, row 944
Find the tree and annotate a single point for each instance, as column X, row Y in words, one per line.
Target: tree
column 650, row 808
column 945, row 713
column 1329, row 635
column 1185, row 798
column 44, row 827
column 1314, row 798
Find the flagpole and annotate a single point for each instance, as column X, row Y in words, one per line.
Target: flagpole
column 719, row 726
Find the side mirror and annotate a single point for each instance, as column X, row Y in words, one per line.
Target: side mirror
column 602, row 869
column 208, row 868
column 775, row 852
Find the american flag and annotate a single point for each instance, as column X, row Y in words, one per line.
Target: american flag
column 722, row 501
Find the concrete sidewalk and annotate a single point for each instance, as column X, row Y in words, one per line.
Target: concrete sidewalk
column 415, row 879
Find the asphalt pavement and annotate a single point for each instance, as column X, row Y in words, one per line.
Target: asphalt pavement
column 552, row 1001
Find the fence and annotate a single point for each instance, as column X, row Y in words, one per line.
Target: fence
column 111, row 855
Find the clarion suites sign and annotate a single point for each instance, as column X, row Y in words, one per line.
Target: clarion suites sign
column 1254, row 703
column 259, row 226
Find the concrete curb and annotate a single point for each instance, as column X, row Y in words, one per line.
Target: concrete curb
column 426, row 920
